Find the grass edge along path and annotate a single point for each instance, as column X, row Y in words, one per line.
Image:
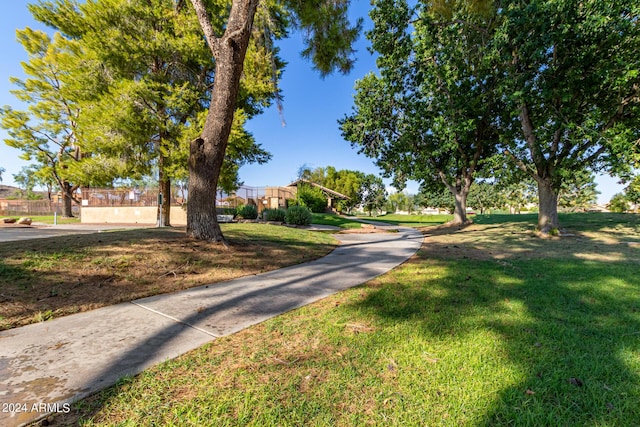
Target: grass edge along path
column 484, row 326
column 42, row 279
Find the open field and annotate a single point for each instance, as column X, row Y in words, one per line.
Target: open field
column 46, row 278
column 411, row 220
column 335, row 220
column 485, row 326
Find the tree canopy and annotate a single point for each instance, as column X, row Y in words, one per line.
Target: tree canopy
column 554, row 85
column 429, row 115
column 361, row 188
column 571, row 75
column 147, row 76
column 47, row 132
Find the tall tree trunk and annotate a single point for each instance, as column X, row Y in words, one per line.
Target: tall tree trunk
column 460, row 211
column 164, row 187
column 548, row 207
column 207, row 152
column 67, row 200
column 459, row 190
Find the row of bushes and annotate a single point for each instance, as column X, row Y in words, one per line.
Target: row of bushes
column 295, row 215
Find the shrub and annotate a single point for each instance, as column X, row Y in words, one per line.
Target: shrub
column 247, row 212
column 298, row 215
column 274, row 214
column 226, row 211
column 312, row 198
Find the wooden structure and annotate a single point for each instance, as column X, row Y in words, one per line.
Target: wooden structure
column 330, row 194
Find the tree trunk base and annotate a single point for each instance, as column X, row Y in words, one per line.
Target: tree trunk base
column 210, row 232
column 549, row 232
column 460, row 224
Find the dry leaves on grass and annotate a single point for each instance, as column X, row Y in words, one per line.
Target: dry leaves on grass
column 47, row 278
column 515, row 240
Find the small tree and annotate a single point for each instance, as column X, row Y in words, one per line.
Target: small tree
column 578, row 192
column 344, row 181
column 618, row 203
column 28, row 178
column 485, row 196
column 400, row 201
column 373, row 194
column 436, row 198
column 518, row 195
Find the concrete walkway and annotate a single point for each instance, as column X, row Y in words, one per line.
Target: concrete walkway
column 43, row 231
column 45, row 366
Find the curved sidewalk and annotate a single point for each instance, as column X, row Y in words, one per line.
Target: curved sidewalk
column 45, row 366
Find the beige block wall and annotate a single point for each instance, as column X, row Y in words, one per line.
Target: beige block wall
column 130, row 215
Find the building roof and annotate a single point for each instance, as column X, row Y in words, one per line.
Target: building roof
column 327, row 191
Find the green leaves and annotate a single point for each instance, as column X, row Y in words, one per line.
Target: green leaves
column 328, row 34
column 430, row 115
column 47, row 132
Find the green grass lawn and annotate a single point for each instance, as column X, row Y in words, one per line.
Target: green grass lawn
column 331, row 219
column 49, row 219
column 412, row 220
column 485, row 326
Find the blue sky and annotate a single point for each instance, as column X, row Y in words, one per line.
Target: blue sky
column 312, row 107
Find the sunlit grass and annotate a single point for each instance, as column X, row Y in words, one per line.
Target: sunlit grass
column 336, row 220
column 50, row 219
column 413, row 220
column 452, row 337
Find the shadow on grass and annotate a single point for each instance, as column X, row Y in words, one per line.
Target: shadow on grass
column 567, row 324
column 67, row 274
column 591, row 221
column 233, row 305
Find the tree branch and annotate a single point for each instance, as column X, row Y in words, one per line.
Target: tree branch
column 520, row 164
column 238, row 22
column 205, row 22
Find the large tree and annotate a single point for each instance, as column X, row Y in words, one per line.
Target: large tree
column 430, row 115
column 572, row 78
column 147, row 84
column 328, row 37
column 47, row 132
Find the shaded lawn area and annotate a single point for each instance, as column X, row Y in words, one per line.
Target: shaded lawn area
column 46, row 278
column 485, row 326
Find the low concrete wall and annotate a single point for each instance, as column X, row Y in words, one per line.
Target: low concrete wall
column 130, row 215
